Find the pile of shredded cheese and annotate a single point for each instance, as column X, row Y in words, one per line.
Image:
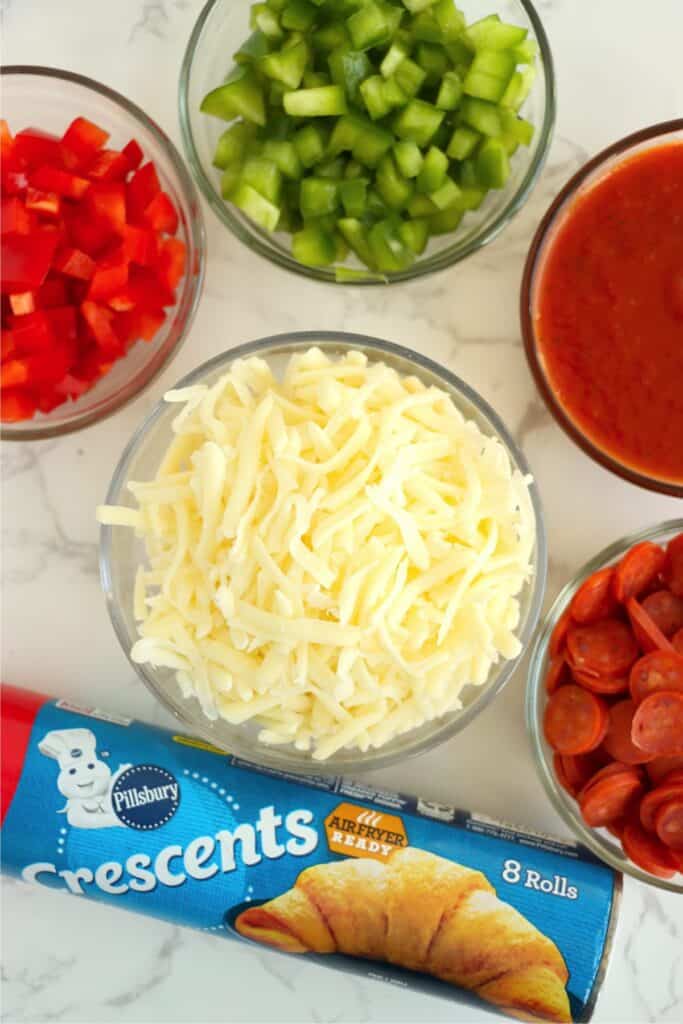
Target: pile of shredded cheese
column 335, row 555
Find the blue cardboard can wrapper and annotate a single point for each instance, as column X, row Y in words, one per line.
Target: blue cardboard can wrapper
column 359, row 879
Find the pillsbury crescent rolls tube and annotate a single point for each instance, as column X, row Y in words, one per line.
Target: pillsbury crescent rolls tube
column 363, row 880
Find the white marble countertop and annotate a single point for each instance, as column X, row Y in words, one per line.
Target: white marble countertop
column 618, row 67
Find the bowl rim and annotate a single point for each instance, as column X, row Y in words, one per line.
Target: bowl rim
column 534, row 258
column 197, row 235
column 355, row 761
column 442, row 260
column 602, row 848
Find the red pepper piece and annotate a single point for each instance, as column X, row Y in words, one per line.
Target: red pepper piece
column 135, row 324
column 147, row 290
column 161, row 214
column 47, row 203
column 52, row 292
column 109, row 165
column 33, row 148
column 14, row 216
column 110, row 278
column 53, row 179
column 63, row 322
column 75, row 263
column 13, row 181
column 8, row 345
column 33, row 332
column 13, row 373
column 16, row 405
column 171, row 263
column 22, row 303
column 99, row 320
column 140, row 245
column 26, row 260
column 140, row 191
column 81, row 141
column 107, row 201
column 89, row 233
column 133, row 154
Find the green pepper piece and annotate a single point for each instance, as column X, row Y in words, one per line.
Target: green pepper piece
column 415, row 6
column 421, row 206
column 233, row 144
column 376, row 103
column 354, row 234
column 471, row 197
column 264, row 176
column 353, row 170
column 331, row 168
column 459, row 55
column 450, row 20
column 242, row 96
column 418, row 121
column 230, row 178
column 408, row 158
column 445, row 221
column 409, row 77
column 349, row 68
column 526, row 52
column 394, row 189
column 446, row 195
column 326, row 101
column 426, row 29
column 415, row 234
column 433, row 173
column 256, row 206
column 285, row 157
column 389, row 251
column 369, row 26
column 450, row 91
column 299, row 15
column 310, row 143
column 265, row 19
column 353, row 195
column 255, row 47
column 493, row 165
column 493, row 34
column 489, row 74
column 314, row 79
column 463, row 142
column 318, row 197
column 484, row 117
column 331, row 37
column 314, row 246
column 345, row 134
column 396, row 53
column 372, row 143
column 433, row 60
column 521, row 130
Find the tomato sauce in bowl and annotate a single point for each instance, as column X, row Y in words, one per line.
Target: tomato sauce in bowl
column 602, row 309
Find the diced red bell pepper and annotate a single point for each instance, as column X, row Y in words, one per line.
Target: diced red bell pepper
column 133, row 154
column 140, row 245
column 13, row 373
column 63, row 322
column 47, row 368
column 99, row 320
column 47, row 203
column 22, row 303
column 15, row 217
column 52, row 292
column 52, row 179
column 91, row 234
column 8, row 345
column 71, row 387
column 171, row 262
column 107, row 201
column 110, row 278
column 148, row 291
column 17, row 405
column 161, row 214
column 47, row 400
column 81, row 141
column 33, row 148
column 74, row 263
column 33, row 332
column 136, row 324
column 109, row 165
column 26, row 260
column 141, row 190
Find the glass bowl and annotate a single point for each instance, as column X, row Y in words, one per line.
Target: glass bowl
column 49, row 99
column 584, row 180
column 598, row 841
column 220, row 29
column 121, row 552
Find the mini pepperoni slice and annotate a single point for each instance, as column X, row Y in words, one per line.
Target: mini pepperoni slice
column 594, row 599
column 647, row 851
column 666, row 611
column 575, row 721
column 669, row 824
column 606, row 648
column 660, row 670
column 637, row 570
column 653, row 800
column 557, row 674
column 658, row 723
column 607, row 686
column 676, row 776
column 610, row 798
column 660, row 769
column 617, row 741
column 558, row 637
column 617, row 828
column 646, row 631
column 611, row 769
column 673, row 565
column 677, row 641
column 577, row 769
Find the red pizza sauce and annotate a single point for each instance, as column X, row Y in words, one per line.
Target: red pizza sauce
column 608, row 312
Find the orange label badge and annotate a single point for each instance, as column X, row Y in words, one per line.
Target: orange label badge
column 358, row 832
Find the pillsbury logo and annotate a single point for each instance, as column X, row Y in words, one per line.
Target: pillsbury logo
column 145, row 797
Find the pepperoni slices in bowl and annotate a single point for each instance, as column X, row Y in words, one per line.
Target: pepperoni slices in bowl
column 605, row 705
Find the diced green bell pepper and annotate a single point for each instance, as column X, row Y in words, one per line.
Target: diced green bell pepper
column 353, row 195
column 331, row 168
column 230, row 178
column 355, row 236
column 233, row 144
column 433, row 60
column 299, row 15
column 421, row 206
column 253, row 48
column 409, row 77
column 376, row 102
column 330, row 37
column 484, row 117
column 318, row 197
column 265, row 19
column 310, row 143
column 525, row 52
column 396, row 53
column 446, row 195
column 394, row 189
column 369, row 26
column 349, row 68
column 433, row 173
column 463, row 142
column 315, row 79
column 415, row 6
column 425, row 28
column 264, row 176
column 256, row 206
column 242, row 96
column 450, row 20
column 415, row 234
column 493, row 34
column 445, row 221
column 450, row 91
column 493, row 165
column 418, row 121
column 389, row 251
column 408, row 157
column 519, row 88
column 327, row 101
column 285, row 157
column 489, row 74
column 314, row 246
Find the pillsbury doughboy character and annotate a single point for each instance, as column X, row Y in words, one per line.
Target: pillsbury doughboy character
column 83, row 779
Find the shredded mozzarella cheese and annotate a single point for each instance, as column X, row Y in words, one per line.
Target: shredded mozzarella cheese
column 334, row 556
